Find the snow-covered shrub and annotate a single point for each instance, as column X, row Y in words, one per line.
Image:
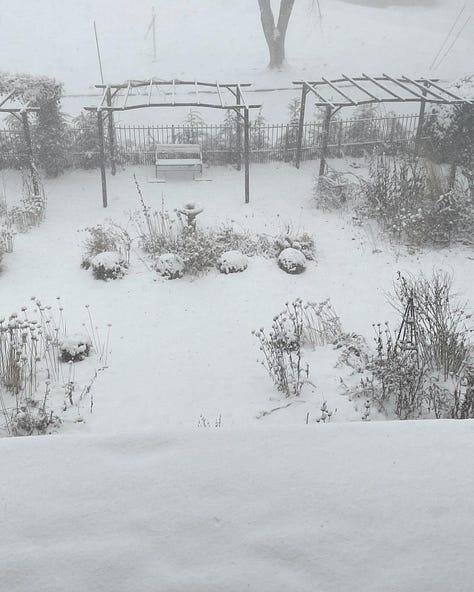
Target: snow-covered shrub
column 104, row 238
column 292, row 261
column 450, row 132
column 281, row 349
column 109, row 265
column 354, row 351
column 169, row 265
column 413, row 203
column 31, row 420
column 84, row 140
column 303, row 242
column 32, row 209
column 75, row 347
column 232, row 262
column 426, row 368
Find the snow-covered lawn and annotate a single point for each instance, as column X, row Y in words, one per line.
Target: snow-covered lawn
column 323, row 508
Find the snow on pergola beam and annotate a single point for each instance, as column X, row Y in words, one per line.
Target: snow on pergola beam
column 143, row 94
column 362, row 90
column 10, row 103
column 354, row 91
column 140, row 94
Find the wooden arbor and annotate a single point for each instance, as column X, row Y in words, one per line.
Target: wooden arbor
column 10, row 103
column 142, row 94
column 333, row 95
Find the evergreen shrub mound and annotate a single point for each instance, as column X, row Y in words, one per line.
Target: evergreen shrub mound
column 292, row 261
column 170, row 266
column 109, row 265
column 75, row 348
column 232, row 262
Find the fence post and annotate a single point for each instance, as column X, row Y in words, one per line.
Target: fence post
column 111, row 133
column 339, row 140
column 103, row 175
column 421, row 122
column 238, row 99
column 287, row 142
column 247, row 154
column 325, row 141
column 301, row 125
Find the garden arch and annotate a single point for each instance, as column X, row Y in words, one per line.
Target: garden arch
column 142, row 94
column 333, row 95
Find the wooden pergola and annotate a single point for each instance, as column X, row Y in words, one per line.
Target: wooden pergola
column 142, row 94
column 11, row 103
column 348, row 91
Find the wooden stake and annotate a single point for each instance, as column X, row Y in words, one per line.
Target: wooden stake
column 98, row 54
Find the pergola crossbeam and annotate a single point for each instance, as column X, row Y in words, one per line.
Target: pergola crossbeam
column 425, row 89
column 457, row 98
column 405, row 87
column 7, row 98
column 338, row 90
column 325, row 101
column 360, row 87
column 220, row 94
column 384, row 88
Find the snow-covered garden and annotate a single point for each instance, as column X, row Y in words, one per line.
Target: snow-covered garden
column 202, row 393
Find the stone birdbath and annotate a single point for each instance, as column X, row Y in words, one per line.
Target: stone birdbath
column 191, row 210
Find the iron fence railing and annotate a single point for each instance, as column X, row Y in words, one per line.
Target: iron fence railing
column 137, row 144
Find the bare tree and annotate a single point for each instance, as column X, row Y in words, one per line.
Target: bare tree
column 275, row 33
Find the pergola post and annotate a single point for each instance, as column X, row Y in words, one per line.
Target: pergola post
column 113, row 168
column 247, row 154
column 325, row 140
column 238, row 101
column 301, row 125
column 29, row 150
column 100, row 128
column 421, row 122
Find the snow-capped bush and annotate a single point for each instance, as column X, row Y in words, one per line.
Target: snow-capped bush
column 109, row 265
column 169, row 265
column 106, row 237
column 292, row 261
column 75, row 348
column 301, row 242
column 232, row 262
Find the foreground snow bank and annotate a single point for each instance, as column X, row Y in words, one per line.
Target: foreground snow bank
column 381, row 506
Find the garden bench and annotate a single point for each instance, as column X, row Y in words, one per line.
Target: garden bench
column 178, row 157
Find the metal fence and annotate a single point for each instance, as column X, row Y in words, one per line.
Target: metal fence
column 137, row 144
